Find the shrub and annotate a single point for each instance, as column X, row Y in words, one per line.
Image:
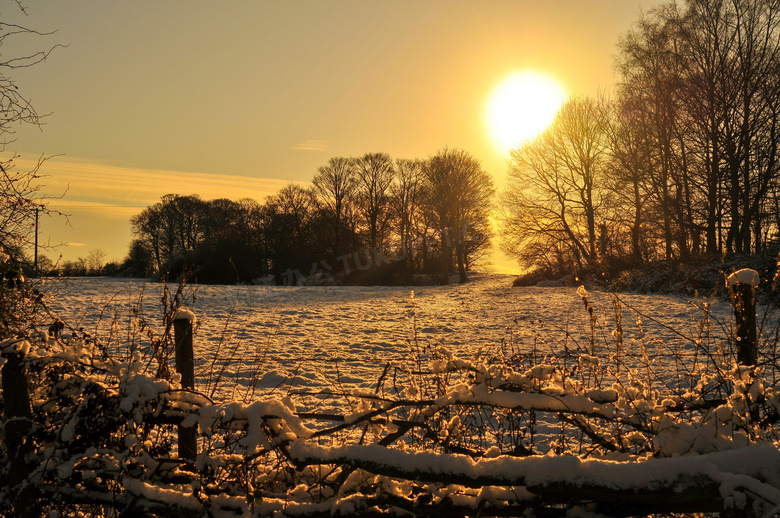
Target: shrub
column 595, row 427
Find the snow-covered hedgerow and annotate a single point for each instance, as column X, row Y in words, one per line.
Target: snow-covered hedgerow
column 593, row 432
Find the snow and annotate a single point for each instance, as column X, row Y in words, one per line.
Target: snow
column 183, row 313
column 733, row 470
column 171, row 495
column 15, row 346
column 264, row 340
column 744, row 277
column 523, row 350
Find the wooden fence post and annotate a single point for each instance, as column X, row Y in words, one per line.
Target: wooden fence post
column 17, row 412
column 742, row 285
column 185, row 366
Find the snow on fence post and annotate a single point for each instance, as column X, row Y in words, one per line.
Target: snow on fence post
column 742, row 285
column 17, row 412
column 185, row 366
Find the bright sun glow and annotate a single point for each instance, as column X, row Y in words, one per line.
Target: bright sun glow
column 521, row 107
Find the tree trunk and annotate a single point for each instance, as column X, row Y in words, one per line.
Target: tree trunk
column 636, row 228
column 459, row 249
column 446, row 256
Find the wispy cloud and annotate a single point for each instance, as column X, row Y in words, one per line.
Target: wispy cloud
column 107, row 210
column 100, row 199
column 311, row 145
column 113, row 191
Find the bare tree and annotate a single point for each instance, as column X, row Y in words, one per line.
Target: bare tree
column 95, row 260
column 336, row 185
column 458, row 194
column 631, row 169
column 650, row 68
column 290, row 229
column 707, row 72
column 406, row 201
column 556, row 187
column 146, row 227
column 172, row 228
column 756, row 26
column 707, row 43
column 14, row 105
column 20, row 197
column 375, row 174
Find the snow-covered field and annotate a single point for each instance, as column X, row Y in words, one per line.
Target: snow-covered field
column 337, row 338
column 590, row 433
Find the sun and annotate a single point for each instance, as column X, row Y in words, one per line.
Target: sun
column 520, row 107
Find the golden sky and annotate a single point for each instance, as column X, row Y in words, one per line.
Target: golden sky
column 237, row 98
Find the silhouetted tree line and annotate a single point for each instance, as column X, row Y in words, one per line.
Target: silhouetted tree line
column 367, row 219
column 682, row 161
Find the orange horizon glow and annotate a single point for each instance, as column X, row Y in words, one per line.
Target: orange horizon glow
column 238, row 102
